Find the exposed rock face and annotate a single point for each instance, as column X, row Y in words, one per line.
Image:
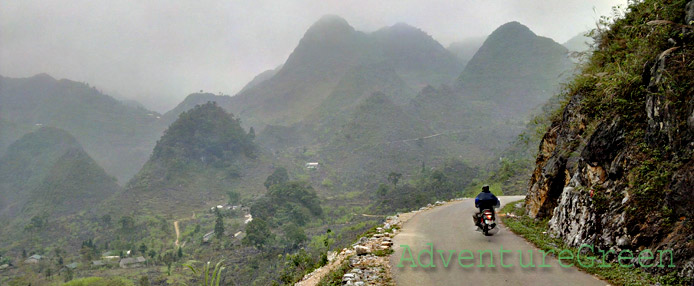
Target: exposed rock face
column 607, row 140
column 550, row 177
column 658, row 109
column 588, row 166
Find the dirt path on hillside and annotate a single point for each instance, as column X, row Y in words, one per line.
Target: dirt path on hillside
column 178, row 233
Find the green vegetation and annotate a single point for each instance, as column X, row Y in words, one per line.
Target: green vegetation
column 279, row 176
column 334, row 278
column 234, row 197
column 536, row 231
column 628, row 117
column 46, row 176
column 258, row 234
column 383, row 252
column 348, row 100
column 119, row 137
column 205, row 149
column 429, row 186
column 99, row 281
column 192, row 100
column 209, row 276
column 207, row 134
column 219, row 224
column 292, row 201
column 512, row 172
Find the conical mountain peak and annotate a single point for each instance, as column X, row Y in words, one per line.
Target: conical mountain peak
column 329, row 24
column 513, row 28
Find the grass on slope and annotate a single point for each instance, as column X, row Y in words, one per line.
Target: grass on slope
column 536, row 231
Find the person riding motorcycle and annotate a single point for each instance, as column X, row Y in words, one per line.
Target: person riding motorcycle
column 485, row 201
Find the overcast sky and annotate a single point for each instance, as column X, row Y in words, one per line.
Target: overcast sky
column 157, row 52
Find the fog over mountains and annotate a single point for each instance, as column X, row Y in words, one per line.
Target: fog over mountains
column 118, row 136
column 159, row 58
column 364, row 106
column 316, row 92
column 141, row 174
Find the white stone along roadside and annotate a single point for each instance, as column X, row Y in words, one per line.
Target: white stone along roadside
column 367, row 268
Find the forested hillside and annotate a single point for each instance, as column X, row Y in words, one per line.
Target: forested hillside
column 352, row 128
column 118, row 136
column 615, row 168
column 200, row 156
column 46, row 176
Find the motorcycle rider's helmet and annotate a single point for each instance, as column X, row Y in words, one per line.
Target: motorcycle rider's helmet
column 485, row 188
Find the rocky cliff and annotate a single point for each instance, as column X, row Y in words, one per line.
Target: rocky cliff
column 615, row 168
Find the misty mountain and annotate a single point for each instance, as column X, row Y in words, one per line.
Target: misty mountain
column 512, row 73
column 260, row 78
column 118, row 136
column 354, row 87
column 188, row 103
column 378, row 137
column 416, row 56
column 74, row 183
column 516, row 69
column 9, row 132
column 198, row 158
column 329, row 50
column 131, row 103
column 374, row 110
column 466, row 126
column 47, row 172
column 579, row 43
column 466, row 48
column 377, row 119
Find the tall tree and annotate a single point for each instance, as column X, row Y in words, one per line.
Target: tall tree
column 279, row 176
column 219, row 224
column 294, row 234
column 143, row 249
column 257, row 233
column 382, row 190
column 393, row 178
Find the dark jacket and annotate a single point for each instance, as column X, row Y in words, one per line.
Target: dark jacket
column 486, row 200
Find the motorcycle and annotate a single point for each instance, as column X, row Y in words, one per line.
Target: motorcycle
column 487, row 222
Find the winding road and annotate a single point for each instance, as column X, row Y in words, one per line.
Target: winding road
column 450, row 230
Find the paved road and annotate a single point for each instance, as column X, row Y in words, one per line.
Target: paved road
column 450, row 227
